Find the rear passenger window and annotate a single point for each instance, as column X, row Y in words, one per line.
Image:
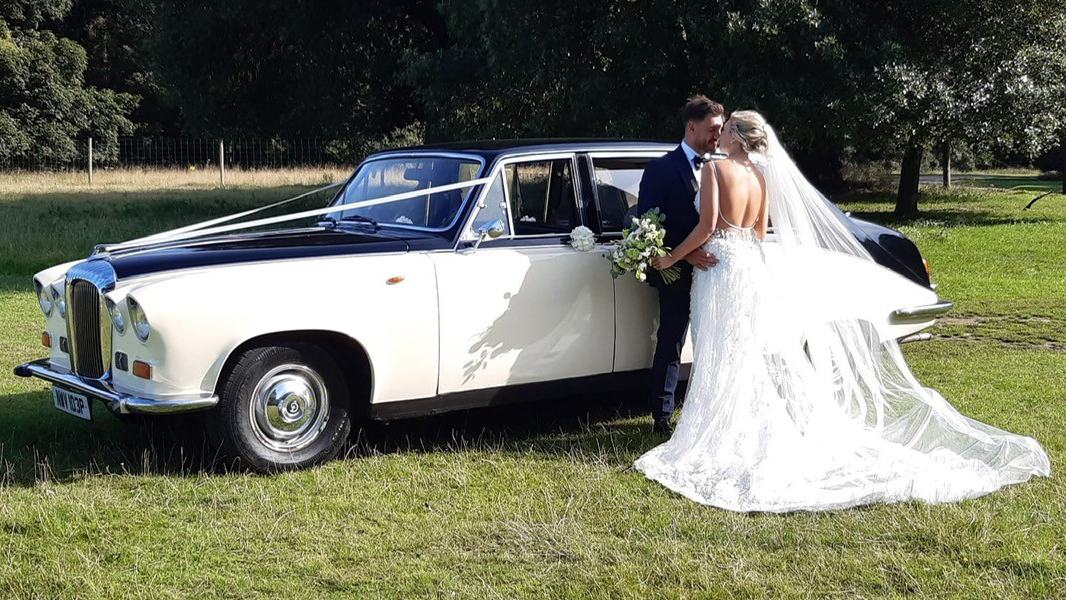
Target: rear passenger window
column 542, row 197
column 617, row 185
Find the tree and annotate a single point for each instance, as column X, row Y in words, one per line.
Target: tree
column 532, row 68
column 976, row 72
column 277, row 68
column 901, row 76
column 114, row 34
column 45, row 105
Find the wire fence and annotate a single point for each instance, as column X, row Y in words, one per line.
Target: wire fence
column 133, row 152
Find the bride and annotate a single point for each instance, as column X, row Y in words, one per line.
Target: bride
column 785, row 411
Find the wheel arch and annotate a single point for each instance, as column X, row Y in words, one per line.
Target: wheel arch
column 351, row 356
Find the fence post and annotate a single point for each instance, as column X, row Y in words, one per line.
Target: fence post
column 221, row 164
column 945, row 162
column 90, row 160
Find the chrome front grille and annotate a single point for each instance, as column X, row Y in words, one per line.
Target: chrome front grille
column 84, row 315
column 88, row 322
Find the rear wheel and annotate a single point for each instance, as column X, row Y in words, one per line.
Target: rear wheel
column 282, row 407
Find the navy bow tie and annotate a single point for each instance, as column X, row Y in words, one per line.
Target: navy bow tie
column 697, row 161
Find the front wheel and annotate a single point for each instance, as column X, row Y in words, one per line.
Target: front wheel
column 282, row 408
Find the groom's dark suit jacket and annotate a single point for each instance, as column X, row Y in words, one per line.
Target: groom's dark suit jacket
column 669, row 185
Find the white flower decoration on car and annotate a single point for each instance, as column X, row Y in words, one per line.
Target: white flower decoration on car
column 404, row 220
column 528, row 219
column 582, row 238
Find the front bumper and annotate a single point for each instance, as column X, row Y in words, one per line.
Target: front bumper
column 115, row 402
column 921, row 314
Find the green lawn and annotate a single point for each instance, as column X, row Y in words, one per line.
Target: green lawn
column 534, row 501
column 1019, row 180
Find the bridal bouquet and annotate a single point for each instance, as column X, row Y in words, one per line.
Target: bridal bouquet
column 642, row 242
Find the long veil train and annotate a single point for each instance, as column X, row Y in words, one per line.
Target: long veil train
column 787, row 410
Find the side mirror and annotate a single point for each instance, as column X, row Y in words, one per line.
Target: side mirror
column 492, row 229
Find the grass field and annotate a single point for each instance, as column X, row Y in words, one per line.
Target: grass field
column 534, row 501
column 1019, row 180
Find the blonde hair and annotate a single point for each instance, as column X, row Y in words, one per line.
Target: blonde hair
column 749, row 128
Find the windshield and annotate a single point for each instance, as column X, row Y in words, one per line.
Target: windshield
column 388, row 176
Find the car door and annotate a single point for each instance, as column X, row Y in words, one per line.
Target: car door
column 525, row 307
column 616, row 180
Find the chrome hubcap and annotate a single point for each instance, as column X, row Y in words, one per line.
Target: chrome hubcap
column 290, row 407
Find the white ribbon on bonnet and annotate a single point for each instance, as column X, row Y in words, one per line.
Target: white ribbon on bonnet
column 205, row 228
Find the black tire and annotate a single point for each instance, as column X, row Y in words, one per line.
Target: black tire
column 247, row 428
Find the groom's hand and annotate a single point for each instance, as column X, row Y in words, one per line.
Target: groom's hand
column 701, row 259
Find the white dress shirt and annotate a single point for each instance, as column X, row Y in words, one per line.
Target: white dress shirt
column 689, row 155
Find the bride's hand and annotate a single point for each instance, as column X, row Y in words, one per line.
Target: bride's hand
column 663, row 262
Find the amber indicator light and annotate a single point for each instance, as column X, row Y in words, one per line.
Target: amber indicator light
column 142, row 369
column 394, row 280
column 46, row 339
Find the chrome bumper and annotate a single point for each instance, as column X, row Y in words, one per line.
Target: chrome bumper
column 115, row 402
column 919, row 314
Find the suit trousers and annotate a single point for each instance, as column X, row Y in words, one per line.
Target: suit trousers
column 674, row 302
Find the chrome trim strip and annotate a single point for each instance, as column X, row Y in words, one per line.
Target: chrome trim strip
column 634, row 153
column 115, row 402
column 918, row 314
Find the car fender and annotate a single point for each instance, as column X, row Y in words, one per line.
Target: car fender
column 827, row 286
column 386, row 303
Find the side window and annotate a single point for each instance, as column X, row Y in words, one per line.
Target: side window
column 542, row 197
column 617, row 185
column 493, row 206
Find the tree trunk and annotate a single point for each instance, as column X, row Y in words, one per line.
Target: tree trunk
column 945, row 162
column 907, row 198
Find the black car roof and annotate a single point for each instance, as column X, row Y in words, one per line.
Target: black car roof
column 490, row 149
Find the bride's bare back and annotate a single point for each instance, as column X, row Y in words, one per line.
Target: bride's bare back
column 741, row 194
column 731, row 197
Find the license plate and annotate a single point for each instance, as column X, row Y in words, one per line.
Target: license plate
column 71, row 403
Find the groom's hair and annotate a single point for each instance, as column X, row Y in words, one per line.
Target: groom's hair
column 699, row 107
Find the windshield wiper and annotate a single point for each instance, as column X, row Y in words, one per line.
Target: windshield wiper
column 360, row 219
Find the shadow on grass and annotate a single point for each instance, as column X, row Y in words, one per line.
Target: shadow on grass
column 39, row 444
column 16, row 283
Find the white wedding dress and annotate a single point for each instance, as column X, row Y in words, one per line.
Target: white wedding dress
column 786, row 412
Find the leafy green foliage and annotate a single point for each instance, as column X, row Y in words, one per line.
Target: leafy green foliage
column 841, row 80
column 45, row 105
column 256, row 68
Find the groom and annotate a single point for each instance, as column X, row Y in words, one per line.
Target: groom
column 671, row 184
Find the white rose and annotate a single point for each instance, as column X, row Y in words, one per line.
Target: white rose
column 582, row 238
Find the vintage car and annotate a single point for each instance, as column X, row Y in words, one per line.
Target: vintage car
column 462, row 292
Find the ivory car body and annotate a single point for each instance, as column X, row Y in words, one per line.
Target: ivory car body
column 439, row 301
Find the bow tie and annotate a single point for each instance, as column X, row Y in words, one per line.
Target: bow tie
column 697, row 161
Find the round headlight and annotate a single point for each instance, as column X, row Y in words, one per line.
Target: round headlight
column 44, row 298
column 116, row 316
column 59, row 300
column 138, row 319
